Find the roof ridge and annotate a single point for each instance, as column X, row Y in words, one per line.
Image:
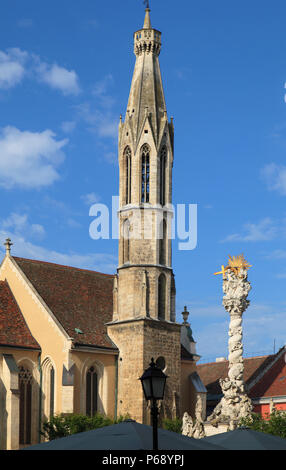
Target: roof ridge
column 244, row 358
column 62, row 266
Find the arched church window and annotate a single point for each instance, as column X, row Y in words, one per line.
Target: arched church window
column 145, row 173
column 48, row 388
column 127, row 159
column 161, row 297
column 163, row 166
column 163, row 243
column 126, row 241
column 25, row 421
column 52, row 391
column 91, row 391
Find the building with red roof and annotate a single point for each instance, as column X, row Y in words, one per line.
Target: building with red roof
column 264, row 377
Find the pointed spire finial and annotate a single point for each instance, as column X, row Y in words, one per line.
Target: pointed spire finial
column 185, row 314
column 8, row 245
column 147, row 21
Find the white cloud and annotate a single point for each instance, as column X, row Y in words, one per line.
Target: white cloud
column 103, row 123
column 16, row 64
column 29, row 159
column 19, row 225
column 100, row 92
column 275, row 177
column 281, row 276
column 262, row 231
column 68, row 126
column 111, row 157
column 90, row 198
column 101, row 262
column 262, row 323
column 12, row 67
column 277, row 254
column 59, row 78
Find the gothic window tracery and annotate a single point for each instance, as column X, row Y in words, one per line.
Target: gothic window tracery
column 127, row 159
column 145, row 173
column 163, row 166
column 25, row 421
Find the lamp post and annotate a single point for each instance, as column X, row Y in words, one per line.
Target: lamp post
column 153, row 383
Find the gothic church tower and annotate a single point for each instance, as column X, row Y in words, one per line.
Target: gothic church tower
column 144, row 323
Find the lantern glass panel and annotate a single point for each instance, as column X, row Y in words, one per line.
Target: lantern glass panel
column 147, row 388
column 158, row 385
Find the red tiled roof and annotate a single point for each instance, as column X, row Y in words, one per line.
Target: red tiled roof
column 13, row 328
column 78, row 298
column 210, row 373
column 273, row 383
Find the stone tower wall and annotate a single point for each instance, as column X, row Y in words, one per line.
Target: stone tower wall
column 138, row 342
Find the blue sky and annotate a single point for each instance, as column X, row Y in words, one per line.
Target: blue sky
column 65, row 74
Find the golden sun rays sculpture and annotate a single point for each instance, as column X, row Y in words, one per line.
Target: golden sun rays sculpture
column 235, row 263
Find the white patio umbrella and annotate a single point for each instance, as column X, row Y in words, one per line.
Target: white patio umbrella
column 128, row 435
column 244, row 438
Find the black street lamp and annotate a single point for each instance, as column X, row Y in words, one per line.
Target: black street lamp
column 153, row 383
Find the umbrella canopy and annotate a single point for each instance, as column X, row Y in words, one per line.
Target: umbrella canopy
column 246, row 439
column 127, row 435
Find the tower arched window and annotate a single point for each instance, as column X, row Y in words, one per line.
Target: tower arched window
column 128, row 171
column 91, row 391
column 163, row 166
column 126, row 241
column 163, row 243
column 162, row 297
column 145, row 173
column 25, row 421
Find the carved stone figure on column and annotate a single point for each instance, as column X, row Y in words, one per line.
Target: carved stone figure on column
column 235, row 403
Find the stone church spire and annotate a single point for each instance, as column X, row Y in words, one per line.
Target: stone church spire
column 147, row 21
column 146, row 99
column 144, row 316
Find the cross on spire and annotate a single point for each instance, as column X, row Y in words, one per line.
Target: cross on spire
column 146, row 2
column 8, row 245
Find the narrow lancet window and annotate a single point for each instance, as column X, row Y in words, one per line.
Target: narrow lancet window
column 163, row 165
column 163, row 243
column 145, row 173
column 127, row 158
column 126, row 241
column 25, row 405
column 161, row 297
column 91, row 392
column 52, row 391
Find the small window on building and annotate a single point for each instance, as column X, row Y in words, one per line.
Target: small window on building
column 128, row 163
column 126, row 241
column 145, row 173
column 25, row 402
column 163, row 166
column 162, row 297
column 91, row 392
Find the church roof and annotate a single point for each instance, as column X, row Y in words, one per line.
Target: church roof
column 14, row 331
column 254, row 369
column 81, row 300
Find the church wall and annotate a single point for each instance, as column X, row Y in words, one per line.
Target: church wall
column 139, row 341
column 188, row 393
column 105, row 365
column 42, row 326
column 9, row 399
